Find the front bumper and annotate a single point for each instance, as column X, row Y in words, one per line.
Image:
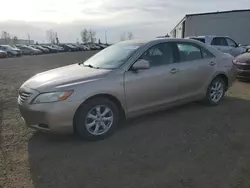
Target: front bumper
column 54, row 117
column 243, row 71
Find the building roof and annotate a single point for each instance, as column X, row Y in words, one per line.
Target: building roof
column 208, row 13
column 218, row 12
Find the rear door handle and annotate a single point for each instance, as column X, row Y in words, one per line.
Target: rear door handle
column 174, row 70
column 212, row 63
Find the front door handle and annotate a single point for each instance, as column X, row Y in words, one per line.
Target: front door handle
column 174, row 70
column 212, row 63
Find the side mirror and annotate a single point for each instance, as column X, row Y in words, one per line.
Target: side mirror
column 239, row 45
column 141, row 64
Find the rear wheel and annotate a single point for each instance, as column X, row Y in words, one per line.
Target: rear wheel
column 96, row 119
column 215, row 92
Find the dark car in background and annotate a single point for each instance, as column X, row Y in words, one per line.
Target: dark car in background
column 44, row 50
column 12, row 52
column 35, row 49
column 3, row 54
column 50, row 48
column 242, row 63
column 74, row 48
column 28, row 50
column 16, row 49
column 78, row 47
column 58, row 48
column 68, row 48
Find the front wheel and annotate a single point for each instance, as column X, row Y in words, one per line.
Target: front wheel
column 215, row 92
column 96, row 119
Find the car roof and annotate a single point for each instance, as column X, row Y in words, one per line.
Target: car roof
column 158, row 40
column 148, row 43
column 207, row 36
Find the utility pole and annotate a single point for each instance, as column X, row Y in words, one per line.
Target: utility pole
column 106, row 36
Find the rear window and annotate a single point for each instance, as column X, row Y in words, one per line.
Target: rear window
column 199, row 39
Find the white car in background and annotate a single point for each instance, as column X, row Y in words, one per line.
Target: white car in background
column 222, row 43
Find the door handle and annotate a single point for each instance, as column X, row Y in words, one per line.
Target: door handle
column 174, row 70
column 212, row 63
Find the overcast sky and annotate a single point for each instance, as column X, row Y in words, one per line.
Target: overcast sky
column 145, row 18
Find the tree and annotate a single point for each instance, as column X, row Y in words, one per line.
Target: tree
column 57, row 39
column 77, row 41
column 6, row 36
column 123, row 36
column 14, row 40
column 88, row 36
column 92, row 36
column 167, row 35
column 126, row 36
column 85, row 36
column 130, row 35
column 51, row 36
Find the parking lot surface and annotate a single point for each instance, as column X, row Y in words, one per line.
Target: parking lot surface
column 185, row 147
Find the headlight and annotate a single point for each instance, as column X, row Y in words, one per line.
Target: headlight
column 52, row 97
column 239, row 63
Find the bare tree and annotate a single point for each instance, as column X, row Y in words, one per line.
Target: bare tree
column 88, row 36
column 57, row 39
column 123, row 36
column 92, row 36
column 77, row 41
column 51, row 36
column 6, row 36
column 14, row 40
column 126, row 36
column 130, row 35
column 85, row 36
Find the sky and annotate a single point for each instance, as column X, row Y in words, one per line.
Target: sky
column 144, row 18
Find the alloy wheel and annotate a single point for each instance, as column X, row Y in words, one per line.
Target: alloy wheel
column 216, row 91
column 99, row 120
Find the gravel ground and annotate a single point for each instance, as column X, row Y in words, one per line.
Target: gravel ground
column 192, row 146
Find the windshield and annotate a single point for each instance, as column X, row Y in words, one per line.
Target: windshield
column 112, row 57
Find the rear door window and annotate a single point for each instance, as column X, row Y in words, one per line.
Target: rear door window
column 206, row 54
column 189, row 52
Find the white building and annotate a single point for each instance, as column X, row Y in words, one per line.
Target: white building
column 235, row 24
column 18, row 41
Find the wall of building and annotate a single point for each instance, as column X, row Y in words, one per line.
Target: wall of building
column 18, row 41
column 233, row 24
column 177, row 31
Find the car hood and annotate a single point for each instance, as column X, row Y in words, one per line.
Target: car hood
column 64, row 77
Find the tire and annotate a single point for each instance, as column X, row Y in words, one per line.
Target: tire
column 96, row 132
column 210, row 99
